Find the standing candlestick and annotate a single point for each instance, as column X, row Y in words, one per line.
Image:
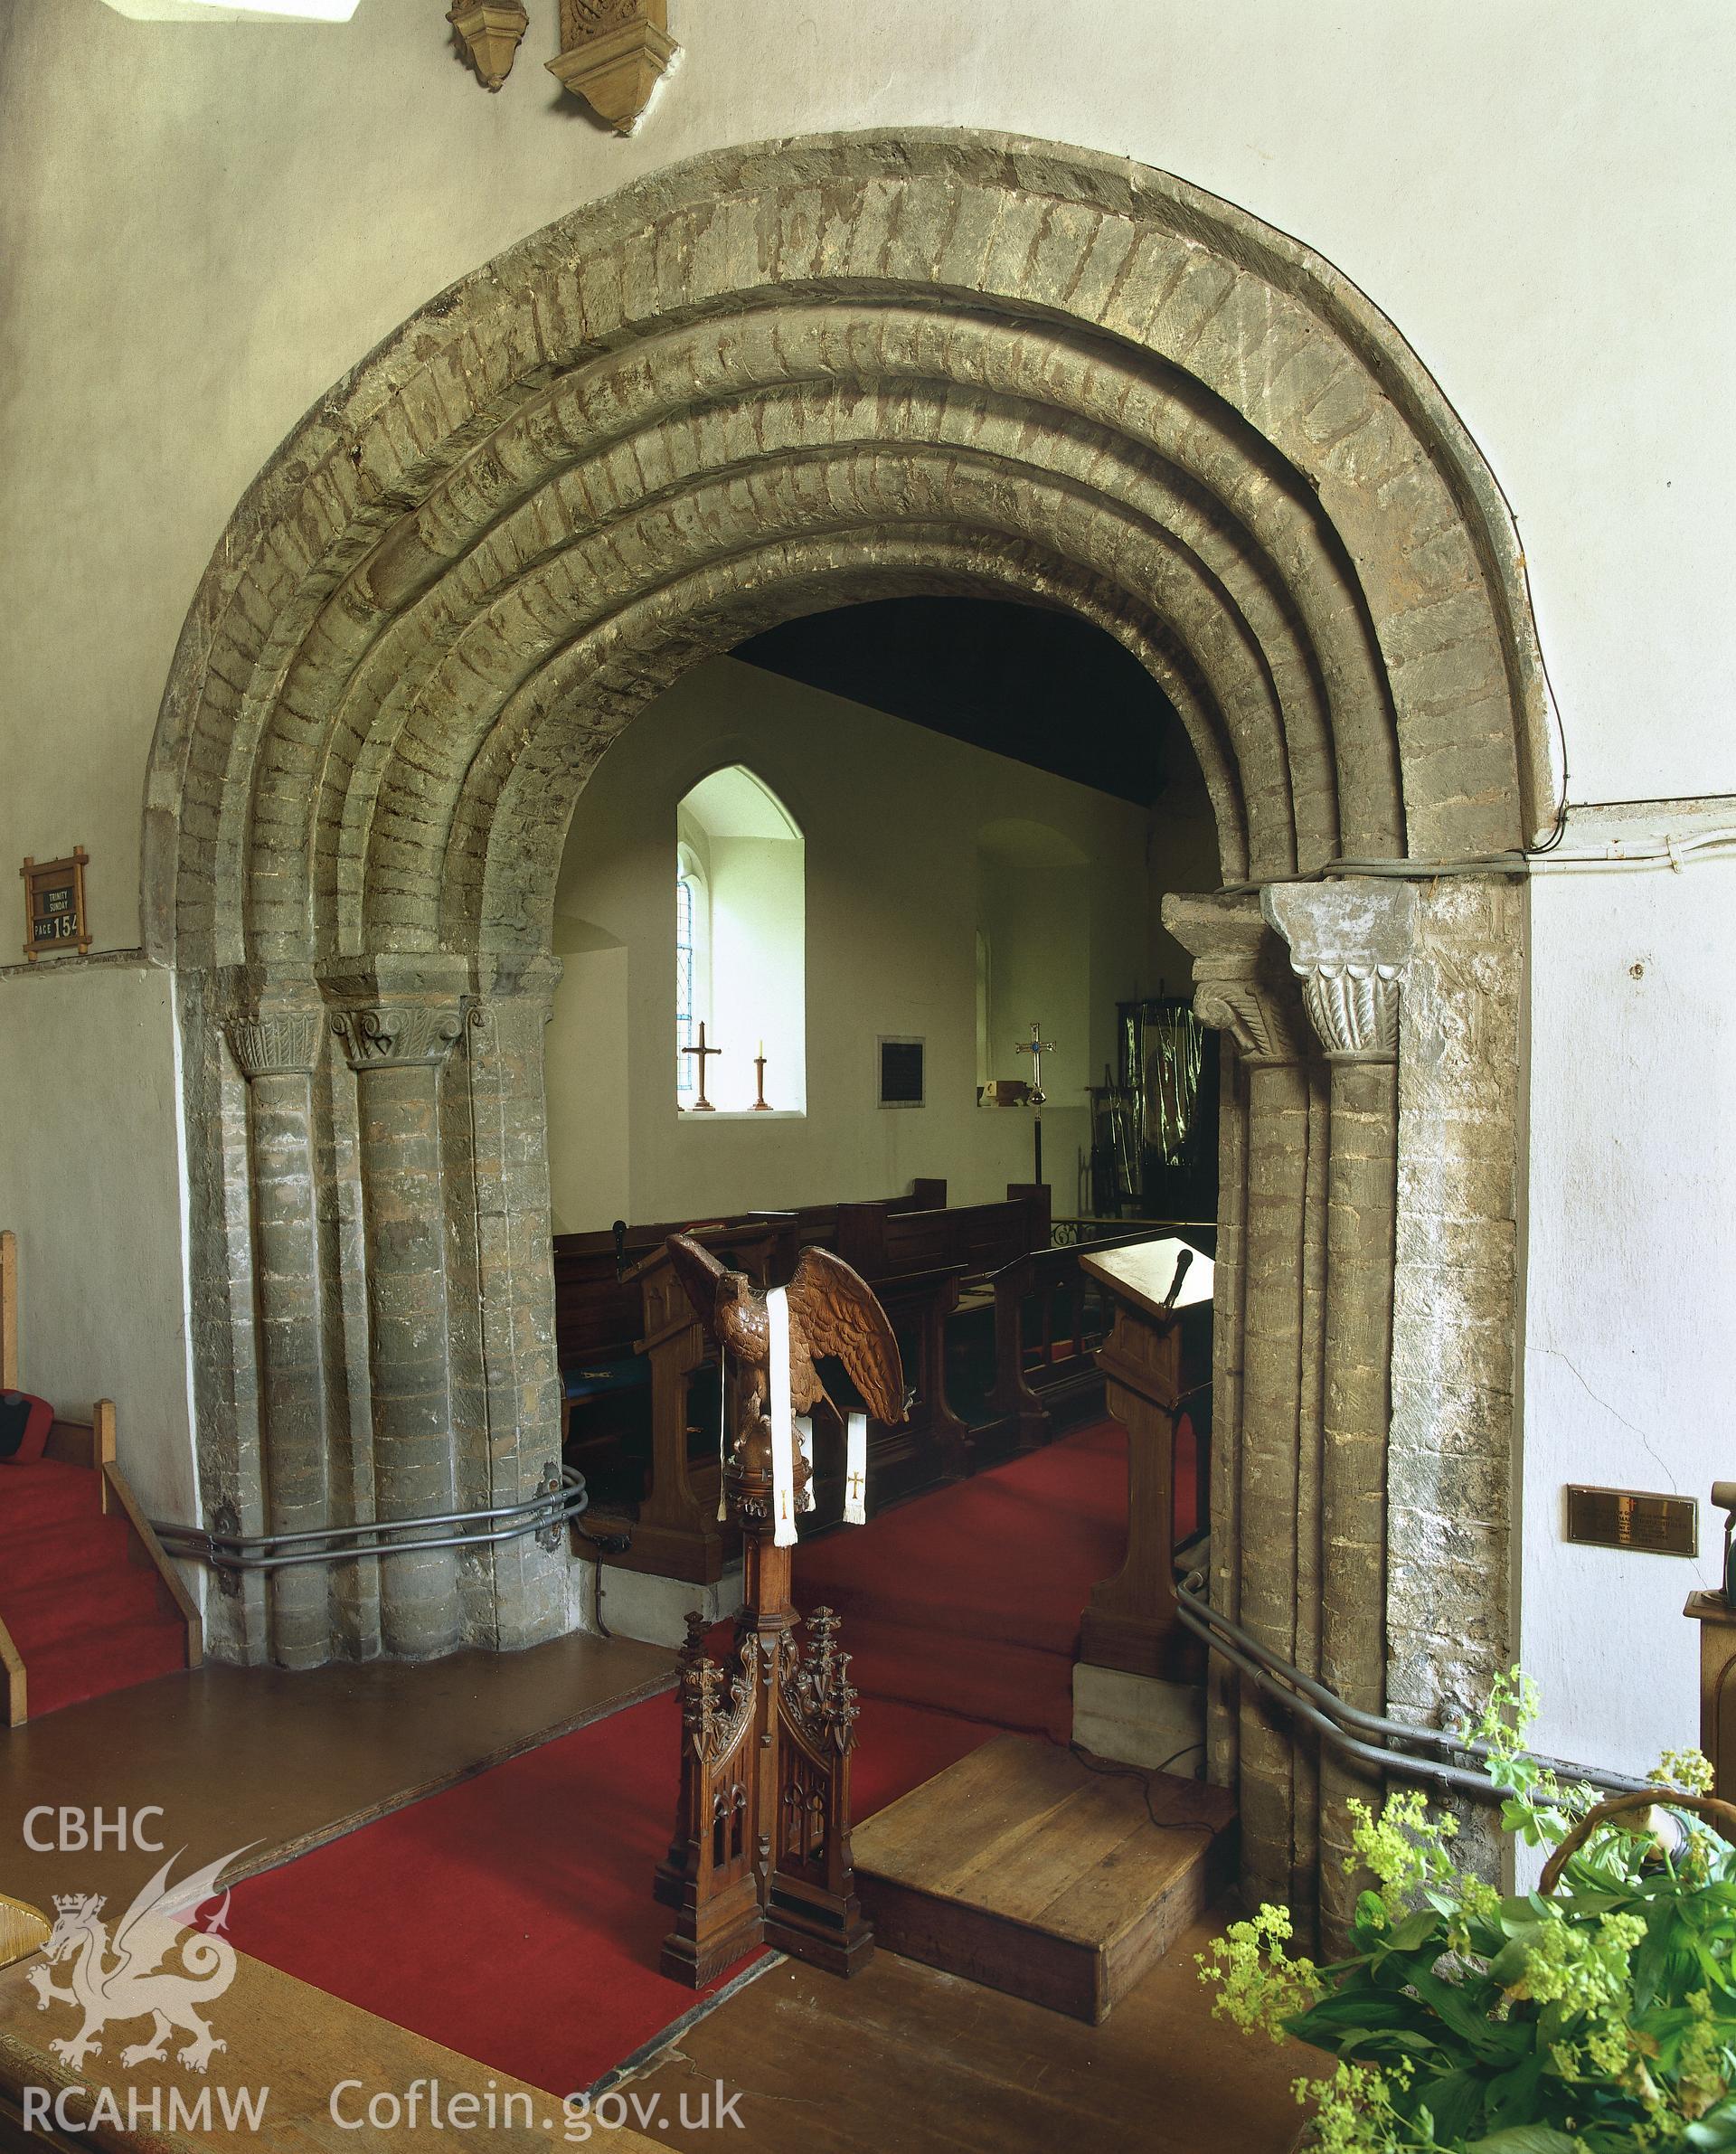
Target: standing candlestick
column 761, row 1105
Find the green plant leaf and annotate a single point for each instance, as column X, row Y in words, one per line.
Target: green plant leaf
column 1653, row 1950
column 1502, row 2042
column 1455, row 2103
column 1509, row 1963
column 1525, row 2139
column 1413, row 1932
column 1353, row 2009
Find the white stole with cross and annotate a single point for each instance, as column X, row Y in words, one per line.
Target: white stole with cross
column 783, row 1431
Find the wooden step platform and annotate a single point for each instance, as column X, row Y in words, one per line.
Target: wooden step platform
column 1022, row 1868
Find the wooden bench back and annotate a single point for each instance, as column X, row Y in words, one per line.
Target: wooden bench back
column 599, row 1314
column 978, row 1238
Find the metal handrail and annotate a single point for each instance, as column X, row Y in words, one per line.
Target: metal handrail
column 545, row 1512
column 1332, row 1718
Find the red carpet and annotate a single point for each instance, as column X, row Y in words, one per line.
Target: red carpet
column 510, row 1918
column 968, row 1600
column 84, row 1617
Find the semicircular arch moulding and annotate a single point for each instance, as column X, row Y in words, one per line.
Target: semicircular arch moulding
column 820, row 343
column 775, row 380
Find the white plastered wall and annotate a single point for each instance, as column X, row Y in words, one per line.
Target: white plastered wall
column 889, row 814
column 201, row 227
column 91, row 1179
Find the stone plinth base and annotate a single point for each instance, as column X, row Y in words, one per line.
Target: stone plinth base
column 636, row 1605
column 1139, row 1720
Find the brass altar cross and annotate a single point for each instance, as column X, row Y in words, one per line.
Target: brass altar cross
column 1036, row 1048
column 701, row 1105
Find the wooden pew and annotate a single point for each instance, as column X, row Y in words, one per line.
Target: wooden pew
column 977, row 1239
column 818, row 1224
column 932, row 1446
column 630, row 1346
column 597, row 1312
column 636, row 1339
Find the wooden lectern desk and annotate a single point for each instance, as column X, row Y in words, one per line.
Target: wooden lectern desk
column 1157, row 1356
column 1717, row 1623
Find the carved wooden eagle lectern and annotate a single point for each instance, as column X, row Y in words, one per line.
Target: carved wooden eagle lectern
column 832, row 1310
column 761, row 1846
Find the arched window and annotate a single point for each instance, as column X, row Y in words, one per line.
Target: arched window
column 741, row 939
column 693, row 964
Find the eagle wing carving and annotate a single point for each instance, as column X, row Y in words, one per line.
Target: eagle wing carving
column 835, row 1311
column 701, row 1275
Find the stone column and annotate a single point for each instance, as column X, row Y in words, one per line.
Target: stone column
column 1451, row 1465
column 1350, row 942
column 519, row 1405
column 276, row 1038
column 1243, row 987
column 397, row 1019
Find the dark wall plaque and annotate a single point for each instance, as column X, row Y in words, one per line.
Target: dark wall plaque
column 902, row 1072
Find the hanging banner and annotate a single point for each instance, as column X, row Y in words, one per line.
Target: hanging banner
column 723, row 1434
column 783, row 1434
column 855, row 1471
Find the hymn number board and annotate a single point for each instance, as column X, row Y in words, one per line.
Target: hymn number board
column 54, row 921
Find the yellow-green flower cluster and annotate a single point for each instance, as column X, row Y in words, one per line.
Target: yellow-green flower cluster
column 1260, row 1985
column 1353, row 2112
column 1583, row 1966
column 1403, row 1849
column 1689, row 1770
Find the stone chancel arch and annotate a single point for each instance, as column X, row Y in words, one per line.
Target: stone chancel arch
column 776, row 380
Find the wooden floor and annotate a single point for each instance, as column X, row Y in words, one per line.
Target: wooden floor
column 904, row 2060
column 305, row 2051
column 279, row 1762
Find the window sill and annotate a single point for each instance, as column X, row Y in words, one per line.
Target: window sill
column 743, row 1114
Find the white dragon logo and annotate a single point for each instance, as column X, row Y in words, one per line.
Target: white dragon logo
column 137, row 1985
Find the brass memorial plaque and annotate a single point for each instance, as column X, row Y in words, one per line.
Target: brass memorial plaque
column 1625, row 1518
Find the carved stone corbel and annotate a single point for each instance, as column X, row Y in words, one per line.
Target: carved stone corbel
column 489, row 31
column 1350, row 942
column 1241, row 985
column 613, row 54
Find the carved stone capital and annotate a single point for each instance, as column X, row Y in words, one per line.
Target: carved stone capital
column 274, row 1029
column 1350, row 942
column 398, row 1036
column 1241, row 985
column 281, row 1044
column 397, row 1013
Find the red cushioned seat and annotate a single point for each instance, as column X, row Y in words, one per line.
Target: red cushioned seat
column 24, row 1423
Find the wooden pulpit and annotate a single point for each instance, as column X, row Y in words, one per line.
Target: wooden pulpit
column 1156, row 1358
